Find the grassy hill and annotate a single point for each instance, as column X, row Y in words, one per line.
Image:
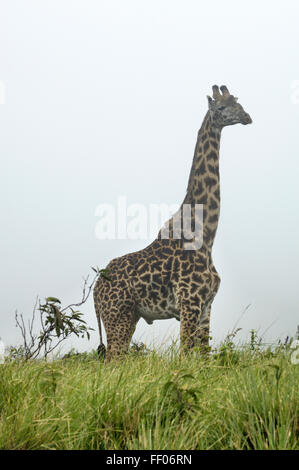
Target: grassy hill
column 236, row 398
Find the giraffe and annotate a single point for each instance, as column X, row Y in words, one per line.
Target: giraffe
column 167, row 279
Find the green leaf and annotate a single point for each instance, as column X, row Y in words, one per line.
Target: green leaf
column 103, row 273
column 52, row 299
column 57, row 330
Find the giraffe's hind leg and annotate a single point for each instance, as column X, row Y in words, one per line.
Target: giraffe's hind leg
column 116, row 308
column 119, row 327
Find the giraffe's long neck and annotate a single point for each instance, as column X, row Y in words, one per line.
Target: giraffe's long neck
column 204, row 185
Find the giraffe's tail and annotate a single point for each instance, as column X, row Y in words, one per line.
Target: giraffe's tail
column 101, row 350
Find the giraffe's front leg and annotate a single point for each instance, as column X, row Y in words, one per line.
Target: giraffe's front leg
column 204, row 326
column 204, row 321
column 190, row 312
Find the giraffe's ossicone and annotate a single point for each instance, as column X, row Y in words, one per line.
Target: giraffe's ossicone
column 167, row 279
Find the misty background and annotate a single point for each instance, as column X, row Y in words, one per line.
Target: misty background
column 104, row 98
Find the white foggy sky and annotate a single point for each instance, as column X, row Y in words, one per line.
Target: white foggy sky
column 105, row 98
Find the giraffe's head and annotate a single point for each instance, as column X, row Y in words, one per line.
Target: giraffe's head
column 224, row 109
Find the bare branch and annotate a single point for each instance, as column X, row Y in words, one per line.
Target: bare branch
column 85, row 295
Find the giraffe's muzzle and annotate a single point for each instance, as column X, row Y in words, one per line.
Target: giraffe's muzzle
column 246, row 119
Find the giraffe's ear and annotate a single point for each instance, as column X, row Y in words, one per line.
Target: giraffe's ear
column 210, row 102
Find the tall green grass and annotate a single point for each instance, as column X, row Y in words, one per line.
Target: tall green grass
column 233, row 399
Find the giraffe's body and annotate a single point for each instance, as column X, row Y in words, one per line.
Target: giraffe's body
column 166, row 280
